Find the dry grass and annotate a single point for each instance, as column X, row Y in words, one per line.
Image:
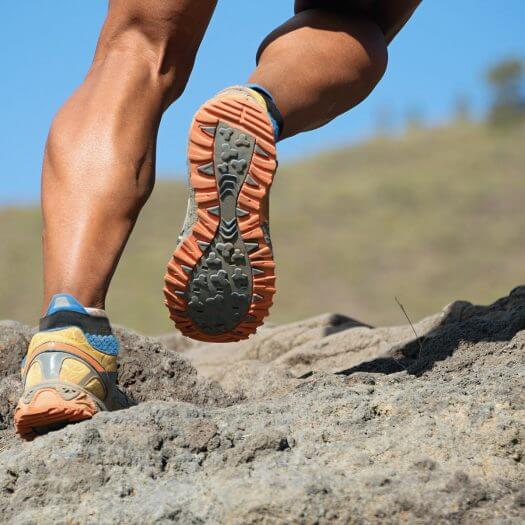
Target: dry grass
column 431, row 217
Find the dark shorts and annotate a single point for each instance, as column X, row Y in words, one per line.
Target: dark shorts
column 390, row 15
column 357, row 5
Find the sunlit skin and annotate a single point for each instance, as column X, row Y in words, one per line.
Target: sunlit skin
column 99, row 163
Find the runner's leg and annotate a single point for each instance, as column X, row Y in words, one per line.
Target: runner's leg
column 100, row 155
column 322, row 62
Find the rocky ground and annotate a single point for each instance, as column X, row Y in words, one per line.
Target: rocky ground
column 325, row 420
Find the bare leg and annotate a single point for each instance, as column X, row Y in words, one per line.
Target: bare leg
column 322, row 62
column 99, row 162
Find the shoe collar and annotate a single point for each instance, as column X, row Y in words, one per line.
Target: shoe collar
column 64, row 302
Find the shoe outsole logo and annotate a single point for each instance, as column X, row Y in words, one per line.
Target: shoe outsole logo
column 221, row 279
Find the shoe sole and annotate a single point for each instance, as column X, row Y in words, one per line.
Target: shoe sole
column 48, row 410
column 220, row 280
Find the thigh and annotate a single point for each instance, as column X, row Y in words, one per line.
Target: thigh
column 390, row 15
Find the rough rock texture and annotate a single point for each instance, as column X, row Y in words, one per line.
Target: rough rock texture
column 326, row 420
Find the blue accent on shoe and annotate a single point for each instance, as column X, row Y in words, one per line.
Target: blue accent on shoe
column 276, row 126
column 108, row 344
column 64, row 302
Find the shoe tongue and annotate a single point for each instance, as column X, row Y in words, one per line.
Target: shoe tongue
column 64, row 302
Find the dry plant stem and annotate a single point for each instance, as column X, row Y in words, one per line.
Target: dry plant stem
column 418, row 339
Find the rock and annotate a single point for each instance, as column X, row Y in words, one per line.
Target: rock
column 326, row 420
column 151, row 371
column 176, row 341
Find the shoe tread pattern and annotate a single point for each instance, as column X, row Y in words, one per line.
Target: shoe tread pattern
column 221, row 279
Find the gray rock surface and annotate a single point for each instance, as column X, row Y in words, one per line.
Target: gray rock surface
column 325, row 420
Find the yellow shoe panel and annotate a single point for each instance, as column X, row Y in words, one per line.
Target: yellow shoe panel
column 34, row 376
column 75, row 337
column 96, row 388
column 73, row 370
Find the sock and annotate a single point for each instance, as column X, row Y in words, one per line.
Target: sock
column 265, row 99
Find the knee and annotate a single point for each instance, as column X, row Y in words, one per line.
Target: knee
column 351, row 49
column 162, row 38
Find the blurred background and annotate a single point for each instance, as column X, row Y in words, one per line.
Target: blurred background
column 416, row 194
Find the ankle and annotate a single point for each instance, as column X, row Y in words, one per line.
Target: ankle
column 267, row 99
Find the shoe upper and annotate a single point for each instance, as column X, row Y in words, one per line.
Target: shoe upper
column 74, row 351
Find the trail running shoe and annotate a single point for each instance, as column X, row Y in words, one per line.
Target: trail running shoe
column 69, row 372
column 220, row 281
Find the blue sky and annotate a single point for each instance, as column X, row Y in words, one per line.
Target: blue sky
column 47, row 46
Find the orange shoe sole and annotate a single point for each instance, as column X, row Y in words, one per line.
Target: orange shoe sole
column 47, row 410
column 220, row 281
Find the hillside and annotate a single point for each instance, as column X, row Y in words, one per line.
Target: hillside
column 431, row 216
